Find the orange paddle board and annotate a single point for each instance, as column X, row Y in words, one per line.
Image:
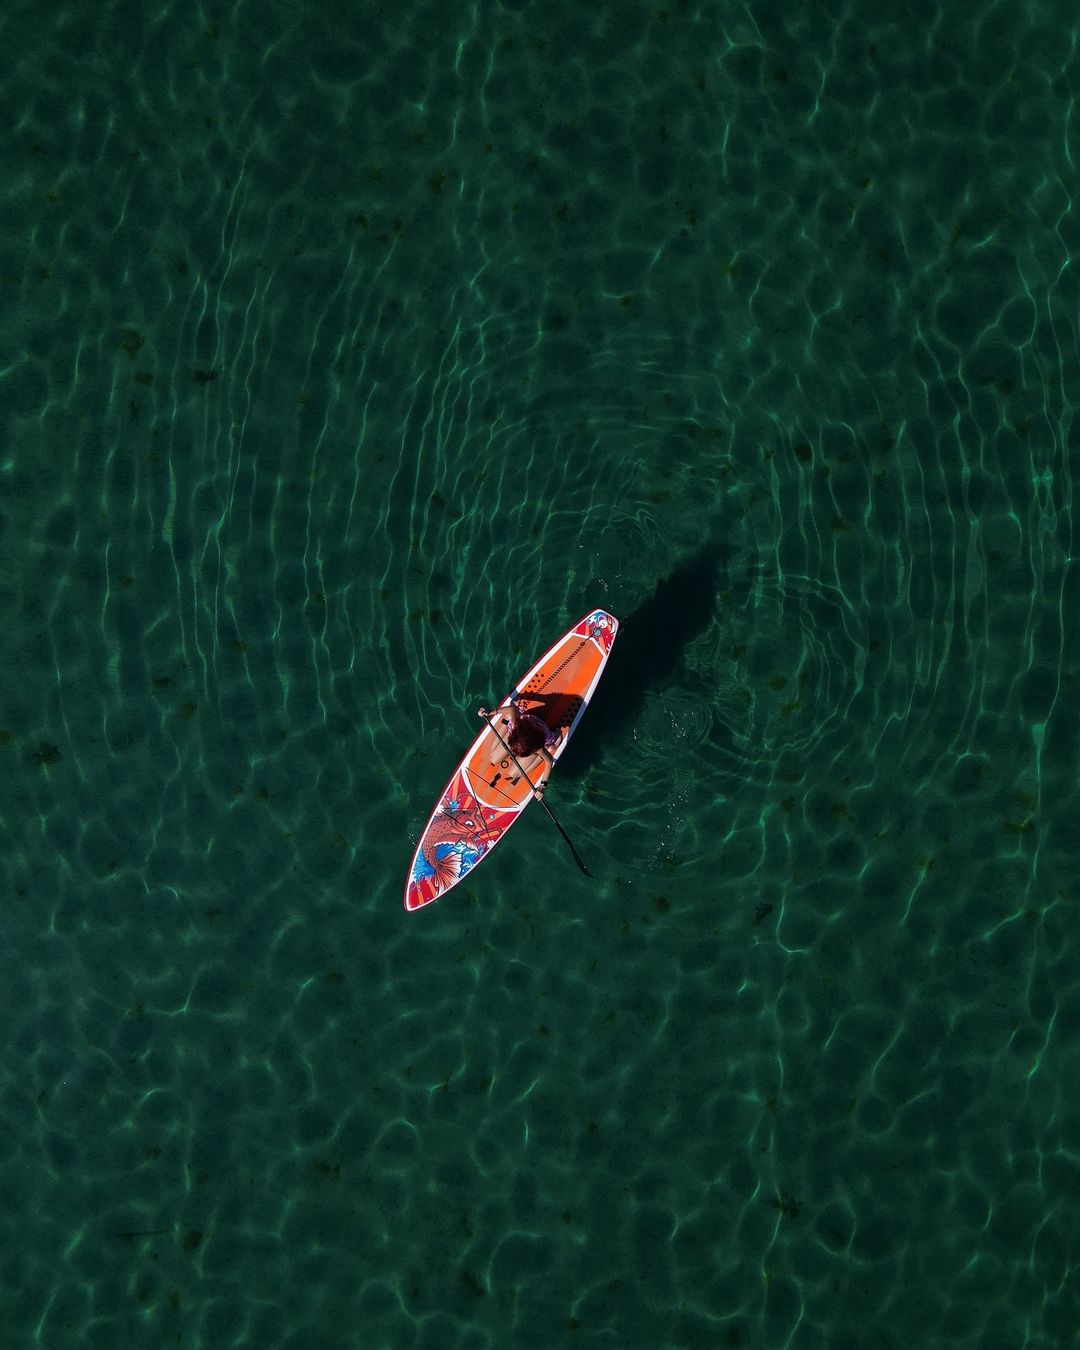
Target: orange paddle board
column 488, row 790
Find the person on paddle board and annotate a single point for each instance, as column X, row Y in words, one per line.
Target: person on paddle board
column 527, row 736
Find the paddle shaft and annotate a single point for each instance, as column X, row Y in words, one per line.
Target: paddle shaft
column 577, row 856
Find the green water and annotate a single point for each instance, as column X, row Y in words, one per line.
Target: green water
column 348, row 356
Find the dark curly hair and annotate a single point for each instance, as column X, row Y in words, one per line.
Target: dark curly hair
column 528, row 736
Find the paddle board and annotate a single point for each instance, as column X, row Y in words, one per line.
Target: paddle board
column 488, row 792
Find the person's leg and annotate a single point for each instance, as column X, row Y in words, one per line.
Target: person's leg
column 528, row 765
column 503, row 720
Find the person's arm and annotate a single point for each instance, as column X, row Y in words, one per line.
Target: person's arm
column 549, row 764
column 509, row 707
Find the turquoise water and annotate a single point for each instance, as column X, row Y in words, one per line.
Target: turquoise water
column 348, row 357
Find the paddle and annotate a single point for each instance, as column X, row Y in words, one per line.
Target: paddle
column 577, row 856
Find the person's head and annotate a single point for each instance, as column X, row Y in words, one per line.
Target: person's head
column 528, row 737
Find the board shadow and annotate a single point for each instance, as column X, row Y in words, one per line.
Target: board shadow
column 648, row 654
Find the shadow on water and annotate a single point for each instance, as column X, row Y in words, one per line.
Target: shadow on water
column 648, row 654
